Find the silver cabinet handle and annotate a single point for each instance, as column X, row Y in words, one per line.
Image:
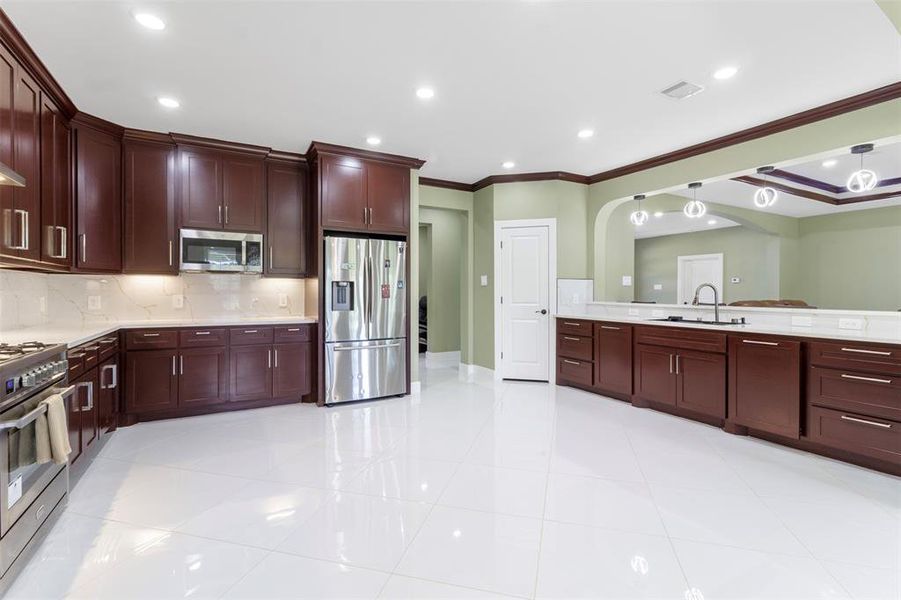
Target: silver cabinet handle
column 572, row 339
column 90, row 386
column 572, row 362
column 84, row 247
column 862, row 351
column 270, row 256
column 181, row 364
column 860, row 378
column 276, row 358
column 219, row 218
column 23, row 229
column 671, row 364
column 677, row 364
column 250, row 331
column 173, row 365
column 151, row 335
column 760, row 342
column 269, row 359
column 201, row 333
column 293, row 329
column 572, row 324
column 226, row 214
column 609, row 327
column 170, row 253
column 54, row 229
column 113, row 380
column 370, row 215
column 866, row 422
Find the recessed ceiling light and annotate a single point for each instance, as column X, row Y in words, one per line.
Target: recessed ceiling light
column 725, row 73
column 711, row 222
column 425, row 93
column 658, row 214
column 829, row 163
column 373, row 140
column 586, row 133
column 150, row 21
column 509, row 164
column 168, row 102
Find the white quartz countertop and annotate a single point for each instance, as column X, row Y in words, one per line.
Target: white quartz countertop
column 876, row 335
column 74, row 334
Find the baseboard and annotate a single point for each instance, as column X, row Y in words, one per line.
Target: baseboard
column 477, row 370
column 442, row 359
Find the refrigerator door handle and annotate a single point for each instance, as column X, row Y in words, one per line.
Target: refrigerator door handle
column 369, row 288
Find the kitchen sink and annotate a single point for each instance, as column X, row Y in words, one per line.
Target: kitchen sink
column 699, row 321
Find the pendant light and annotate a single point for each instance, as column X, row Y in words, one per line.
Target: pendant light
column 639, row 217
column 766, row 196
column 862, row 180
column 695, row 209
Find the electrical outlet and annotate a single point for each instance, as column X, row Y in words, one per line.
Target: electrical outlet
column 93, row 302
column 856, row 324
column 178, row 301
column 483, row 280
column 658, row 287
column 735, row 280
column 282, row 300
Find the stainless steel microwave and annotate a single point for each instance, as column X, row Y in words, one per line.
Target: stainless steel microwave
column 223, row 251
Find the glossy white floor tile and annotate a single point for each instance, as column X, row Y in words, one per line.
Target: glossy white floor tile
column 473, row 489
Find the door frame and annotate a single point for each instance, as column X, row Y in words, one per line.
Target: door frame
column 499, row 226
column 680, row 272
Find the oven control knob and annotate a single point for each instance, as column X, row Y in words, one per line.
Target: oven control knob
column 28, row 379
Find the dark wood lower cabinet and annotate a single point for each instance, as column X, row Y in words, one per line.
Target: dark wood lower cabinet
column 613, row 358
column 292, row 374
column 202, row 376
column 250, row 373
column 701, row 383
column 765, row 384
column 108, row 395
column 152, row 381
column 655, row 375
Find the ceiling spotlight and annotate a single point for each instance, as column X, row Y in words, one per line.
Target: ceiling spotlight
column 862, row 180
column 168, row 102
column 829, row 163
column 373, row 140
column 725, row 73
column 766, row 196
column 694, row 209
column 425, row 93
column 586, row 133
column 639, row 217
column 509, row 164
column 150, row 21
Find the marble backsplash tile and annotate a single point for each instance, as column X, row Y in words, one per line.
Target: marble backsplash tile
column 29, row 299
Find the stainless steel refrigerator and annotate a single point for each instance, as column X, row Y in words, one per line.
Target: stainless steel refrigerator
column 365, row 320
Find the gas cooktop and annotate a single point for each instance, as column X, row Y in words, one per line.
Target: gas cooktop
column 11, row 352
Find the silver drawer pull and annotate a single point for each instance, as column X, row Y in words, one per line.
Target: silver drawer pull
column 294, row 329
column 250, row 331
column 760, row 342
column 201, row 333
column 572, row 339
column 860, row 378
column 865, row 422
column 151, row 335
column 572, row 324
column 862, row 351
column 572, row 362
column 609, row 327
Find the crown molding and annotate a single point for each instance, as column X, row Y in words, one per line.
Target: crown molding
column 447, row 184
column 803, row 193
column 317, row 148
column 523, row 177
column 82, row 119
column 216, row 144
column 141, row 135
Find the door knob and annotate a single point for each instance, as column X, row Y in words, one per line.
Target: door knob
column 542, row 311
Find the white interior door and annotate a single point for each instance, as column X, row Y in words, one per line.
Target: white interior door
column 525, row 303
column 694, row 270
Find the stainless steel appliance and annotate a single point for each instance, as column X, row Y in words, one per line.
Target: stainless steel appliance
column 225, row 251
column 365, row 320
column 31, row 494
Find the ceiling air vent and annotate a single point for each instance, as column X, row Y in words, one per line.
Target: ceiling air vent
column 682, row 90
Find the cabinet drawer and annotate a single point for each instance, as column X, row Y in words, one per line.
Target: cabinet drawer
column 240, row 336
column 294, row 333
column 863, row 393
column 687, row 339
column 108, row 346
column 574, row 326
column 574, row 346
column 857, row 357
column 866, row 436
column 576, row 371
column 91, row 354
column 195, row 338
column 151, row 339
column 75, row 359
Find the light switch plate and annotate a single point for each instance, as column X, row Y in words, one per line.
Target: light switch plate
column 93, row 302
column 483, row 280
column 658, row 287
column 178, row 301
column 282, row 300
column 627, row 281
column 856, row 324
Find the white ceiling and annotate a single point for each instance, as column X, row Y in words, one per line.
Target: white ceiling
column 514, row 80
column 673, row 222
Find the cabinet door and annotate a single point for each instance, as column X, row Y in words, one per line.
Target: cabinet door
column 765, row 384
column 201, row 189
column 7, row 111
column 243, row 193
column 388, row 195
column 89, row 392
column 98, row 201
column 702, row 382
column 287, row 235
column 291, row 370
column 655, row 377
column 55, row 212
column 108, row 396
column 73, row 418
column 343, row 193
column 250, row 373
column 152, row 383
column 202, row 376
column 613, row 357
column 27, row 163
column 150, row 237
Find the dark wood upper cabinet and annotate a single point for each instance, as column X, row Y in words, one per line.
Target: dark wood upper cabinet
column 388, row 195
column 243, row 193
column 286, row 205
column 701, row 382
column 202, row 376
column 151, row 381
column 27, row 163
column 342, row 187
column 56, row 217
column 151, row 241
column 765, row 384
column 201, row 189
column 98, row 200
column 7, row 117
column 250, row 372
column 292, row 376
column 613, row 357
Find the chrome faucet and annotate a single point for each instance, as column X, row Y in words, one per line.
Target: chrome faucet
column 716, row 299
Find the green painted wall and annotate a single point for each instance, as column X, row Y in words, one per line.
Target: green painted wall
column 442, row 271
column 483, row 264
column 425, row 263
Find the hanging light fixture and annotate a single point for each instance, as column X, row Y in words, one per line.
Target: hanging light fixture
column 766, row 196
column 862, row 180
column 695, row 209
column 639, row 217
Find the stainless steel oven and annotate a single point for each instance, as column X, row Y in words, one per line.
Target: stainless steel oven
column 223, row 251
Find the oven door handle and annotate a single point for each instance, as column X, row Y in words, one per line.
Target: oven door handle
column 32, row 415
